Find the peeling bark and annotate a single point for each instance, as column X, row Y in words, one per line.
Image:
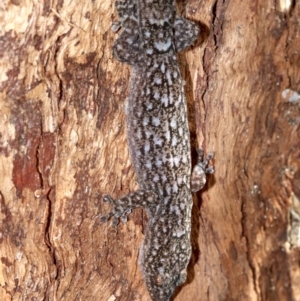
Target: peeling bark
column 63, row 145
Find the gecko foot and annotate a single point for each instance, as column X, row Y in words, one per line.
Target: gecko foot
column 204, row 163
column 118, row 211
column 200, row 170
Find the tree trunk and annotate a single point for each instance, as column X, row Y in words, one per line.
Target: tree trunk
column 63, row 145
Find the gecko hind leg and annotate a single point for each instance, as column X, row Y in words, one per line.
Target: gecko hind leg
column 123, row 206
column 198, row 179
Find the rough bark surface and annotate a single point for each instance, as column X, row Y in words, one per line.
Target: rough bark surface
column 63, row 145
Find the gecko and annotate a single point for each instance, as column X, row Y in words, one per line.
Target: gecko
column 158, row 139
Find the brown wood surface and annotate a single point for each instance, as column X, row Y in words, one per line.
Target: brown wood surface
column 63, row 145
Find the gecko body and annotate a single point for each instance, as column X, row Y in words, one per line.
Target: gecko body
column 158, row 139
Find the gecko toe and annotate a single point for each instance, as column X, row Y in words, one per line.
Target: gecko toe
column 108, row 199
column 115, row 222
column 124, row 219
column 115, row 26
column 200, row 152
column 210, row 170
column 105, row 218
column 210, row 155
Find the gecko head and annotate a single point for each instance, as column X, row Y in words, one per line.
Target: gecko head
column 157, row 26
column 157, row 12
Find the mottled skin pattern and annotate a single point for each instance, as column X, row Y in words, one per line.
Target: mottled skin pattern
column 159, row 140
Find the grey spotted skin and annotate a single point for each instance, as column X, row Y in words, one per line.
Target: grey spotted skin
column 158, row 139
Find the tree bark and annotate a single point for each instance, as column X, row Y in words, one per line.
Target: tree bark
column 63, row 146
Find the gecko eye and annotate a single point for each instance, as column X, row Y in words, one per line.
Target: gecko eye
column 166, row 24
column 157, row 279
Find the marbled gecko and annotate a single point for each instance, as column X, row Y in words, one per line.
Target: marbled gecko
column 159, row 140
